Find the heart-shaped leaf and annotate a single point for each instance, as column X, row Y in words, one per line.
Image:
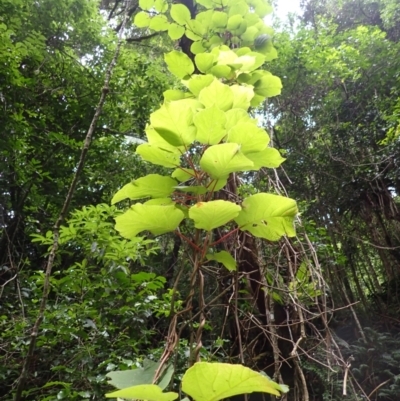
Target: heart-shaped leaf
column 268, row 216
column 215, row 381
column 213, row 214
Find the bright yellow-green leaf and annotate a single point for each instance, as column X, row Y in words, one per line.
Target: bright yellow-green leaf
column 235, row 115
column 268, row 157
column 206, row 3
column 263, row 8
column 174, row 94
column 242, row 96
column 239, row 8
column 183, row 174
column 221, row 71
column 234, row 22
column 175, row 31
column 204, row 61
column 250, row 137
column 213, row 214
column 210, row 125
column 161, row 157
column 156, row 140
column 250, row 34
column 149, row 392
column 219, row 19
column 197, row 47
column 180, row 13
column 174, row 122
column 152, row 185
column 225, row 258
column 269, row 85
column 179, row 64
column 194, row 30
column 146, row 4
column 268, row 216
column 215, row 381
column 142, row 19
column 199, row 82
column 157, row 219
column 217, row 94
column 159, row 23
column 221, row 160
column 161, row 6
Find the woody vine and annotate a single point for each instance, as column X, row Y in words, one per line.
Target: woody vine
column 204, row 134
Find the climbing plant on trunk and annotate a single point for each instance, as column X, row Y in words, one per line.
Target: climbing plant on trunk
column 204, row 135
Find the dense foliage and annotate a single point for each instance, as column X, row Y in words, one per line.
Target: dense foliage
column 318, row 311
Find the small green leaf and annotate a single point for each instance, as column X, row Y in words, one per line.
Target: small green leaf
column 213, row 214
column 180, row 13
column 224, row 258
column 268, row 216
column 215, row 381
column 149, row 392
column 223, row 159
column 210, row 125
column 194, row 30
column 152, row 185
column 156, row 155
column 175, row 31
column 142, row 19
column 217, row 94
column 157, row 219
column 250, row 34
column 179, row 64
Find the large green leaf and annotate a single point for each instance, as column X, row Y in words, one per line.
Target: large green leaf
column 234, row 116
column 157, row 219
column 268, row 216
column 149, row 392
column 179, row 64
column 217, row 94
column 215, row 381
column 152, row 185
column 183, row 174
column 213, row 214
column 174, row 122
column 159, row 156
column 221, row 160
column 204, row 61
column 250, row 137
column 224, row 258
column 146, row 4
column 210, row 124
column 180, row 13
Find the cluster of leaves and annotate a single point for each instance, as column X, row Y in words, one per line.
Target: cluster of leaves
column 205, row 134
column 98, row 312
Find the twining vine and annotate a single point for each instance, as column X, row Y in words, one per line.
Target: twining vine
column 204, row 135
